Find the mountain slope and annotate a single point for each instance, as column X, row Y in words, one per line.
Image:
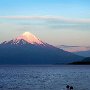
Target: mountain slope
column 83, row 53
column 27, row 49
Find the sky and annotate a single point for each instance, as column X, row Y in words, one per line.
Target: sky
column 57, row 22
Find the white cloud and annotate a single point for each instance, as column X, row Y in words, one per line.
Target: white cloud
column 55, row 19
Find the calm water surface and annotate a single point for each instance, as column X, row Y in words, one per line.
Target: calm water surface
column 44, row 77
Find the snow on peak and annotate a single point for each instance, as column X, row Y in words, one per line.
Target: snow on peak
column 30, row 38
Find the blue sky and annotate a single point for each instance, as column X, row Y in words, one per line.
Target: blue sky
column 54, row 21
column 66, row 8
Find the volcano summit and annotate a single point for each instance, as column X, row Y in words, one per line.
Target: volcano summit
column 30, row 38
column 28, row 49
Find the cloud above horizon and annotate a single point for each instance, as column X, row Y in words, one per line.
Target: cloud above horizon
column 52, row 22
column 56, row 19
column 74, row 48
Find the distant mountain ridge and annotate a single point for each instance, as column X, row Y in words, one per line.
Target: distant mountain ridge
column 27, row 49
column 83, row 53
column 85, row 61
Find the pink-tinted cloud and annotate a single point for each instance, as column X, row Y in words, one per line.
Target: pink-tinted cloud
column 74, row 48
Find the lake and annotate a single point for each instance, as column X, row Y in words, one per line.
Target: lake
column 44, row 77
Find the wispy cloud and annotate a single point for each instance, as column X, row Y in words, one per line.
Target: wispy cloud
column 74, row 48
column 56, row 19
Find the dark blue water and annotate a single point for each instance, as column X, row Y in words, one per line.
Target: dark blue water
column 44, row 77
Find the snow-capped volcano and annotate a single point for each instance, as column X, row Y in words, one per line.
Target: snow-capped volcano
column 25, row 38
column 28, row 49
column 30, row 38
